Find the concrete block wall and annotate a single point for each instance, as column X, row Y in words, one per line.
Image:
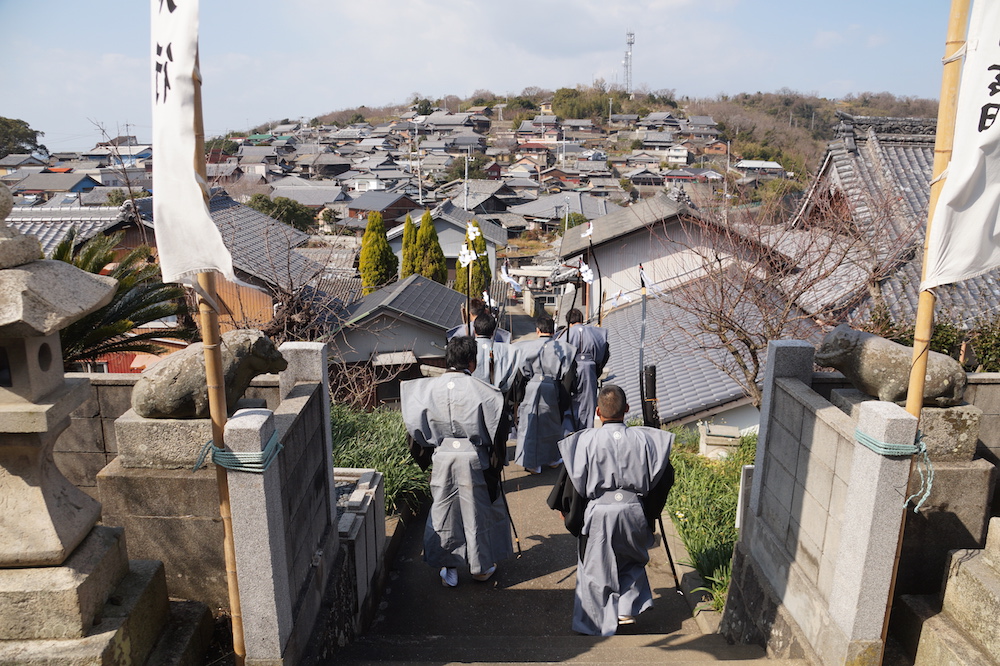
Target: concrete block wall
column 812, row 569
column 83, row 449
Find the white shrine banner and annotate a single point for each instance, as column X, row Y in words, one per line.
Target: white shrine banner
column 187, row 240
column 964, row 236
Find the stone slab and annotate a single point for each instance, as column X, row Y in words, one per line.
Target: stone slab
column 160, row 443
column 35, row 300
column 131, row 623
column 26, row 417
column 140, row 491
column 972, row 598
column 63, row 602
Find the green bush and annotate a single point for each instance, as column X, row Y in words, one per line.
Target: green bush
column 377, row 440
column 702, row 505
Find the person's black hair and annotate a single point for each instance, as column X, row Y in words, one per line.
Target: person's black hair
column 611, row 400
column 485, row 325
column 477, row 307
column 460, row 352
column 544, row 324
column 574, row 316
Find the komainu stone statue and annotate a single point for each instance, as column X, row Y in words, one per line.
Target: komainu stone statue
column 175, row 387
column 881, row 367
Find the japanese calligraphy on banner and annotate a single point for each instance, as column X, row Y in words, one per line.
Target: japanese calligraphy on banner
column 187, row 240
column 964, row 236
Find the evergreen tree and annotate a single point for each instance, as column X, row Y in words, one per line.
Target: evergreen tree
column 429, row 258
column 378, row 263
column 408, row 267
column 480, row 268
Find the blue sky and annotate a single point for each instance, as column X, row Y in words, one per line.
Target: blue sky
column 71, row 64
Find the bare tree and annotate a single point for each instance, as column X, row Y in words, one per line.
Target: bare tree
column 759, row 278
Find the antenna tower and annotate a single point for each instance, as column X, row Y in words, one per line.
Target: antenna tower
column 629, row 41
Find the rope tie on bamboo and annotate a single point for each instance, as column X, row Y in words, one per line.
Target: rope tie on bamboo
column 924, row 466
column 255, row 462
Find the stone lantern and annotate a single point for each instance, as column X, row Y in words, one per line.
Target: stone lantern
column 43, row 517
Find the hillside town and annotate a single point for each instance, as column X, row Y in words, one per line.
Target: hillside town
column 724, row 288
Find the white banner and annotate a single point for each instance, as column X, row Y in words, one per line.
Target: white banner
column 964, row 237
column 187, row 240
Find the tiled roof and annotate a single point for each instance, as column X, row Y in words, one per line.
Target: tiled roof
column 554, row 206
column 416, row 297
column 879, row 159
column 51, row 225
column 310, row 196
column 620, row 222
column 53, row 182
column 687, row 381
column 260, row 245
column 375, row 200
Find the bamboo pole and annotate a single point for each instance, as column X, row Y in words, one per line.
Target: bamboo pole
column 958, row 21
column 215, row 383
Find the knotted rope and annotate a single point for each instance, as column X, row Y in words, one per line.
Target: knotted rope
column 924, row 466
column 255, row 462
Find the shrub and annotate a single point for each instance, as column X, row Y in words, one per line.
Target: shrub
column 702, row 505
column 377, row 440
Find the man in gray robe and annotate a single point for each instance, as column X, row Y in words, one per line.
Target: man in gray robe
column 545, row 378
column 612, row 488
column 495, row 362
column 458, row 422
column 476, row 307
column 592, row 354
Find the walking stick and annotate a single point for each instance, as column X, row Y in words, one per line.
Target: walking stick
column 670, row 558
column 503, row 495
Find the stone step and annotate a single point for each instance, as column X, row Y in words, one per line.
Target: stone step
column 130, row 623
column 676, row 649
column 972, row 597
column 186, row 636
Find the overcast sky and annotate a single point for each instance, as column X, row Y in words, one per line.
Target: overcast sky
column 71, row 63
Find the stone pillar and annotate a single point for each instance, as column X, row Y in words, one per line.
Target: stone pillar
column 869, row 534
column 785, row 358
column 259, row 535
column 309, row 362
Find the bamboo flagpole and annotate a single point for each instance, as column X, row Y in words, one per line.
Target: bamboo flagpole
column 181, row 216
column 215, row 384
column 943, row 143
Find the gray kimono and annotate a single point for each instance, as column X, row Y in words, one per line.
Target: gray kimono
column 498, row 357
column 461, row 419
column 592, row 353
column 546, row 376
column 616, row 469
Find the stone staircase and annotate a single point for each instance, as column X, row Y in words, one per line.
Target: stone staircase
column 523, row 614
column 963, row 629
column 676, row 649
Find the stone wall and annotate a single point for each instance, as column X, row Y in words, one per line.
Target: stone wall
column 812, row 568
column 84, row 448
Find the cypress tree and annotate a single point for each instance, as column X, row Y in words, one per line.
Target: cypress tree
column 481, row 273
column 429, row 258
column 378, row 263
column 408, row 266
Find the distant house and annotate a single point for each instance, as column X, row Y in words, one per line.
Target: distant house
column 389, row 204
column 15, row 161
column 623, row 119
column 644, row 176
column 760, row 168
column 396, row 328
column 46, row 185
column 548, row 212
column 450, row 224
column 492, row 169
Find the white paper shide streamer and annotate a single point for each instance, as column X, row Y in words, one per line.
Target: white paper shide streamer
column 964, row 236
column 187, row 240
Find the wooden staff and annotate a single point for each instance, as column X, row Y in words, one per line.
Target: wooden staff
column 215, row 383
column 958, row 21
